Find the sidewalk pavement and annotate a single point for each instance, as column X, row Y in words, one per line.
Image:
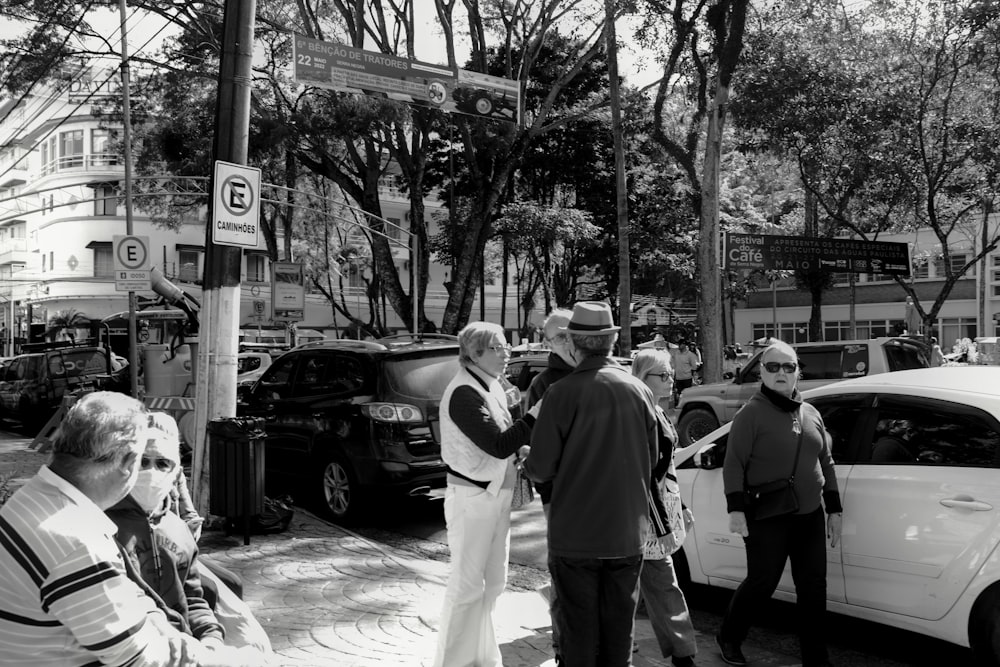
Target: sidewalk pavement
column 329, row 597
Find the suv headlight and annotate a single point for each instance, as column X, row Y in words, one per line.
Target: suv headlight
column 393, row 412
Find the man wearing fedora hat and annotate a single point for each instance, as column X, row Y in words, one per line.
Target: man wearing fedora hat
column 595, row 439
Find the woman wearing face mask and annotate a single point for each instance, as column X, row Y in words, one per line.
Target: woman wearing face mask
column 158, row 541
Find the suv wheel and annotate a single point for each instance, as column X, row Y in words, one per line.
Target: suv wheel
column 339, row 493
column 696, row 424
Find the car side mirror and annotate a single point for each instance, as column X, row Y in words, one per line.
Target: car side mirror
column 710, row 456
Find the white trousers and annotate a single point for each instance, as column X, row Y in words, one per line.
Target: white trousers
column 479, row 540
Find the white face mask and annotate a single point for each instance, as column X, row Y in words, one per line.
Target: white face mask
column 152, row 487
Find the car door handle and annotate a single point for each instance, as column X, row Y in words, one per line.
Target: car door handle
column 966, row 503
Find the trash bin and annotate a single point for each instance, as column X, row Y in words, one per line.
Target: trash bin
column 236, row 469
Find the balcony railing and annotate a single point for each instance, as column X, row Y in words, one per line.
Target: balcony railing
column 81, row 162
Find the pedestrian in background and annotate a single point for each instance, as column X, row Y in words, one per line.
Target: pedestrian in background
column 479, row 439
column 67, row 590
column 665, row 604
column 596, row 440
column 774, row 436
column 685, row 362
column 937, row 356
column 560, row 364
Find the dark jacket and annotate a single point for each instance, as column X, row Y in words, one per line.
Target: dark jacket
column 596, row 440
column 761, row 448
column 556, row 370
column 170, row 569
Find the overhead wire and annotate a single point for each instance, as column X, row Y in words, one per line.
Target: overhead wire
column 79, row 105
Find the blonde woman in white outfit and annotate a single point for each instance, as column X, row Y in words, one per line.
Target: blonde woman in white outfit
column 479, row 439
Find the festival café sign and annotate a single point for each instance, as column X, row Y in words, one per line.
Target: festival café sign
column 344, row 68
column 835, row 255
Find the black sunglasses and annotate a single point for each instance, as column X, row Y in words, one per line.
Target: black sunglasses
column 774, row 366
column 160, row 463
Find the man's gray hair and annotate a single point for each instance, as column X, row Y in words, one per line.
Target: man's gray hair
column 101, row 427
column 562, row 314
column 594, row 346
column 474, row 338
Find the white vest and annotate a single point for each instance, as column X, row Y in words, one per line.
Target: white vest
column 458, row 451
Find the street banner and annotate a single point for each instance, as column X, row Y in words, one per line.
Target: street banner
column 288, row 292
column 345, row 68
column 834, row 255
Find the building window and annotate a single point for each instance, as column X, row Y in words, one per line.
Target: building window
column 52, row 260
column 840, row 278
column 790, row 332
column 43, row 262
column 104, row 265
column 105, row 200
column 951, row 329
column 392, row 230
column 71, row 149
column 921, row 270
column 101, row 142
column 256, row 265
column 958, row 261
column 188, row 262
column 833, row 331
column 355, row 275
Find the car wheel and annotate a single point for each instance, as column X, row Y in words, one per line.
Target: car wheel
column 984, row 627
column 338, row 492
column 696, row 424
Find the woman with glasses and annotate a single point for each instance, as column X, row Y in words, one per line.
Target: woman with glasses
column 163, row 548
column 665, row 603
column 479, row 439
column 776, row 437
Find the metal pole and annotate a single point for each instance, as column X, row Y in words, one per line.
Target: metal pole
column 215, row 386
column 774, row 308
column 133, row 356
column 416, row 281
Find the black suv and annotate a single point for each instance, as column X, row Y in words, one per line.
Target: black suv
column 347, row 417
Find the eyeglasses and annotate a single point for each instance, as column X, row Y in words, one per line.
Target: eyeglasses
column 787, row 366
column 559, row 338
column 158, row 462
column 665, row 376
column 500, row 349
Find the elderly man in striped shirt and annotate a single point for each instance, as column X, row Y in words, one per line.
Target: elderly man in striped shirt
column 67, row 595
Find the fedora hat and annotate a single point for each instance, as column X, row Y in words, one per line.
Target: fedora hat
column 591, row 318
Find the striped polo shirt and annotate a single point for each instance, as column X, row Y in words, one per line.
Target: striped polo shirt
column 65, row 598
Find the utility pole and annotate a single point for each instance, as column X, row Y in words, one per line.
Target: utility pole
column 215, row 385
column 624, row 265
column 133, row 358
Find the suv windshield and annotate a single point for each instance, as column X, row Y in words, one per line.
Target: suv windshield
column 906, row 355
column 73, row 363
column 422, row 375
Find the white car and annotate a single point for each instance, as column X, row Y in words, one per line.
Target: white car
column 920, row 538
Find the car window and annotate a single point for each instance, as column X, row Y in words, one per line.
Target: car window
column 922, row 431
column 276, row 382
column 751, row 374
column 421, row 375
column 841, row 416
column 313, row 376
column 834, row 362
column 32, row 368
column 324, row 373
column 78, row 362
column 247, row 364
column 906, row 355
